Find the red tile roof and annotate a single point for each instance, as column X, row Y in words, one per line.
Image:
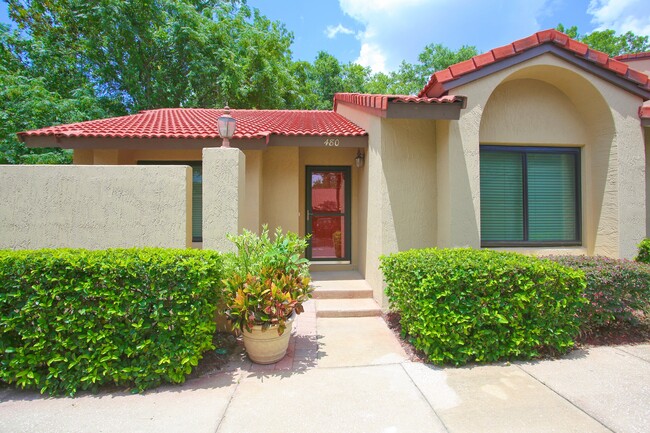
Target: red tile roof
column 381, row 101
column 202, row 123
column 635, row 56
column 436, row 88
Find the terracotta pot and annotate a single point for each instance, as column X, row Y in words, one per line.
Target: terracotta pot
column 267, row 347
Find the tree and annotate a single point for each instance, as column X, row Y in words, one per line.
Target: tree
column 26, row 104
column 608, row 41
column 168, row 53
column 27, row 101
column 409, row 79
column 326, row 75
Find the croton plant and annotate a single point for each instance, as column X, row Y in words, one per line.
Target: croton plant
column 268, row 280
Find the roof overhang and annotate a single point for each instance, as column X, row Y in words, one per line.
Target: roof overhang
column 194, row 143
column 403, row 106
column 442, row 88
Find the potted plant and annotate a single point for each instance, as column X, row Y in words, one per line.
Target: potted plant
column 268, row 281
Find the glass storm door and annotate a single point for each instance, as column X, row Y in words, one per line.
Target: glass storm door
column 328, row 213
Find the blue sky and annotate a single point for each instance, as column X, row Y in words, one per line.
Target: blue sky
column 382, row 33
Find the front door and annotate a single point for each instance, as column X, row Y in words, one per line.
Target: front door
column 328, row 213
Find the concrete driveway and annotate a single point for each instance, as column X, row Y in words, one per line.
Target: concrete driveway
column 351, row 375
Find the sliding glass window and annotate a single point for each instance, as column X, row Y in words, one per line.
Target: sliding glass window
column 530, row 196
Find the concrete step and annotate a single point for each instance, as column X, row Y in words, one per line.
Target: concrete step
column 347, row 308
column 342, row 289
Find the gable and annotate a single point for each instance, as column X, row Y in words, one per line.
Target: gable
column 548, row 41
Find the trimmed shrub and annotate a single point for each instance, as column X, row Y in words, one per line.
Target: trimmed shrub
column 462, row 305
column 644, row 252
column 617, row 290
column 75, row 319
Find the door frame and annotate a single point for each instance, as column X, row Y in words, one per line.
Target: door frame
column 347, row 214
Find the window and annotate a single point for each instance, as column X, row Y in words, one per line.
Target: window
column 197, row 194
column 530, row 196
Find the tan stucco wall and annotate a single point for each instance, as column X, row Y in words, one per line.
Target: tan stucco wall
column 280, row 188
column 95, row 207
column 613, row 161
column 642, row 65
column 253, row 194
column 647, row 182
column 224, row 186
column 398, row 183
column 531, row 112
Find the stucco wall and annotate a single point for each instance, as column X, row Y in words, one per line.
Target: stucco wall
column 531, row 112
column 370, row 188
column 647, row 182
column 280, row 188
column 398, row 185
column 253, row 193
column 642, row 65
column 95, row 207
column 224, row 186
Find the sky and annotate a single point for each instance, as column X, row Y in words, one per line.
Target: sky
column 382, row 33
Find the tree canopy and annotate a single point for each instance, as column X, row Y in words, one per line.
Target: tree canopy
column 608, row 41
column 65, row 61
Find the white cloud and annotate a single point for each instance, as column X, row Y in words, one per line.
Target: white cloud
column 621, row 15
column 399, row 30
column 371, row 55
column 332, row 31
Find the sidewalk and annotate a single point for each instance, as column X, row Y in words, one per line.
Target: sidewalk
column 351, row 375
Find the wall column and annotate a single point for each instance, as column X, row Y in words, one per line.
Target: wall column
column 224, row 185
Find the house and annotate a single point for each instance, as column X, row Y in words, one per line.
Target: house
column 538, row 146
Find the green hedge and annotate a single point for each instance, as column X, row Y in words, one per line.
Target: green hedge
column 462, row 305
column 75, row 319
column 644, row 252
column 617, row 290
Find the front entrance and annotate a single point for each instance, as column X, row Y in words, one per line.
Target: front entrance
column 328, row 214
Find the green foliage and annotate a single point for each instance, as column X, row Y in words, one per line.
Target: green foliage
column 409, row 79
column 36, row 92
column 608, row 41
column 462, row 305
column 167, row 53
column 617, row 290
column 74, row 320
column 267, row 280
column 26, row 104
column 644, row 252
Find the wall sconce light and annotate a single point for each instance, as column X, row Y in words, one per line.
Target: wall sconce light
column 358, row 161
column 227, row 125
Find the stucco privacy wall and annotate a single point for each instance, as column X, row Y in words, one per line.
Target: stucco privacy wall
column 370, row 234
column 95, row 207
column 401, row 189
column 613, row 168
column 224, row 183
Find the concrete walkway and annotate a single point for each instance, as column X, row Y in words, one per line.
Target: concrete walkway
column 351, row 375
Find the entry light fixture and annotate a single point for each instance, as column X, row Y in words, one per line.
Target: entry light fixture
column 227, row 125
column 358, row 161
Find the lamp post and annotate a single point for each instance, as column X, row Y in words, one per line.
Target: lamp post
column 227, row 125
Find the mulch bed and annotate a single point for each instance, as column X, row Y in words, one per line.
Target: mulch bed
column 215, row 360
column 606, row 336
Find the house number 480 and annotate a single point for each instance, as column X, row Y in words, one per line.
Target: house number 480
column 332, row 142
